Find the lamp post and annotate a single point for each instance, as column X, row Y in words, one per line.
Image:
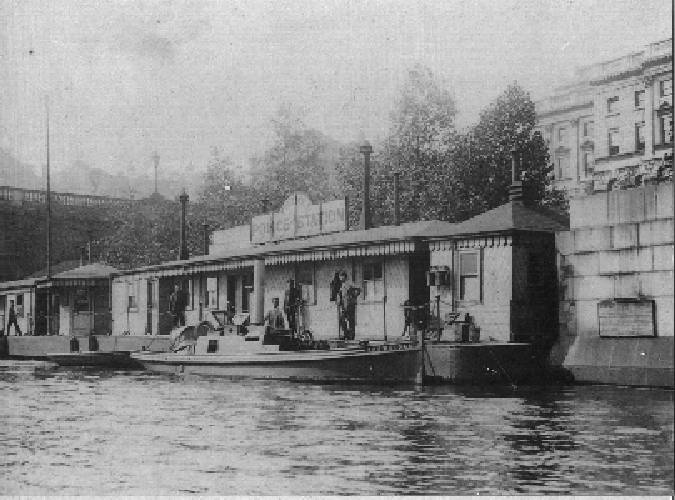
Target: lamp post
column 366, row 150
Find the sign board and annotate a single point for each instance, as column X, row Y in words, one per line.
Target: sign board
column 298, row 217
column 626, row 318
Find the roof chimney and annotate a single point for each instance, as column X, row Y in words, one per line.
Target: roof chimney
column 516, row 189
column 366, row 150
column 207, row 239
column 183, row 253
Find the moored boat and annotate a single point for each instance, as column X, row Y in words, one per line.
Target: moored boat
column 261, row 357
column 102, row 359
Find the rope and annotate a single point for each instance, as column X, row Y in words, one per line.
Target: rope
column 513, row 384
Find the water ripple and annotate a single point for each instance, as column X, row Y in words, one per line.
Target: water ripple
column 70, row 432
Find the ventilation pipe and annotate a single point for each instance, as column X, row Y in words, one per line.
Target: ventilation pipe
column 366, row 150
column 516, row 189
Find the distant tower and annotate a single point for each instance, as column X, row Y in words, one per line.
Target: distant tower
column 155, row 159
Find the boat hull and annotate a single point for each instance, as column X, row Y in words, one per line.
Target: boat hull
column 382, row 367
column 103, row 359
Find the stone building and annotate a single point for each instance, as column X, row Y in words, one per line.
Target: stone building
column 614, row 123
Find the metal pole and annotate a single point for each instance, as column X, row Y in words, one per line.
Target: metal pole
column 397, row 209
column 49, row 227
column 366, row 149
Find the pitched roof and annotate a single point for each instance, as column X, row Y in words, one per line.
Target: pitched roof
column 89, row 271
column 381, row 234
column 512, row 216
column 59, row 267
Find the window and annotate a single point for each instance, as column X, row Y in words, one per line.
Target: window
column 373, row 280
column 614, row 141
column 639, row 98
column 212, row 292
column 588, row 129
column 666, row 129
column 588, row 163
column 640, row 136
column 613, row 105
column 19, row 305
column 246, row 291
column 469, row 276
column 562, row 135
column 132, row 294
column 304, row 279
column 563, row 167
column 666, row 88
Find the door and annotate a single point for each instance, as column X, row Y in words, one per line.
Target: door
column 231, row 294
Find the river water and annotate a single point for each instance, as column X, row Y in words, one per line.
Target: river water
column 70, row 432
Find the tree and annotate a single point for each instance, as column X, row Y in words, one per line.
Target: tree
column 299, row 159
column 419, row 146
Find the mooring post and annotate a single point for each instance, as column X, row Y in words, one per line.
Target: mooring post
column 419, row 379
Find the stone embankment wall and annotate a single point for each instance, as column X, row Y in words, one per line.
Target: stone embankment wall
column 618, row 256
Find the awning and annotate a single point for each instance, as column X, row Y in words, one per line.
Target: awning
column 391, row 248
column 195, row 268
column 76, row 283
column 484, row 242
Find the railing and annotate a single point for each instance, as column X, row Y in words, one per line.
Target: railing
column 21, row 195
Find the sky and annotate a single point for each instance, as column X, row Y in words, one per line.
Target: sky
column 127, row 78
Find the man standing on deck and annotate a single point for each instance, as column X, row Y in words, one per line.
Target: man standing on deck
column 291, row 299
column 177, row 305
column 12, row 320
column 347, row 303
column 274, row 318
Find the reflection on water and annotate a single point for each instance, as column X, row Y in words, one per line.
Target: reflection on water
column 80, row 431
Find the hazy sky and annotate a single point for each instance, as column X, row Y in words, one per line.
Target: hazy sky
column 126, row 78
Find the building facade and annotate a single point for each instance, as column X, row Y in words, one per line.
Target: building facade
column 613, row 124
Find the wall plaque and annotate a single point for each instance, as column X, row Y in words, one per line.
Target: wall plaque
column 626, row 318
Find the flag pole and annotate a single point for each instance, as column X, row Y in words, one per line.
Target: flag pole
column 49, row 226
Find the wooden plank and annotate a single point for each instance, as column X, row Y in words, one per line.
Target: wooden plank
column 626, row 318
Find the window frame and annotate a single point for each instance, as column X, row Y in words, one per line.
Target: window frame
column 209, row 295
column 19, row 305
column 639, row 130
column 586, row 163
column 611, row 133
column 589, row 125
column 370, row 277
column 562, row 136
column 563, row 171
column 132, row 295
column 662, row 88
column 478, row 274
column 612, row 104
